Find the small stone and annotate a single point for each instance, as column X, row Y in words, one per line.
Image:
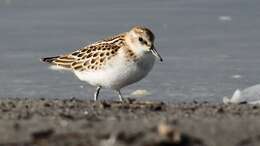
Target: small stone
column 104, row 105
column 82, row 87
column 64, row 123
column 46, row 104
column 109, row 142
column 225, row 18
column 42, row 134
column 140, row 93
column 236, row 76
column 169, row 132
column 86, row 113
column 220, row 110
column 17, row 126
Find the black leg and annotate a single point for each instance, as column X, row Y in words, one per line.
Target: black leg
column 96, row 93
column 120, row 95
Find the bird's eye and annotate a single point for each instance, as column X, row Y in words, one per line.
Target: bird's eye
column 140, row 39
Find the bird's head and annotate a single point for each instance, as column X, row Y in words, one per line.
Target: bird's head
column 141, row 40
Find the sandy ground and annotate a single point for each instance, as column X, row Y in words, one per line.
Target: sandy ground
column 76, row 122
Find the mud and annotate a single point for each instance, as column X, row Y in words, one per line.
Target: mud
column 132, row 123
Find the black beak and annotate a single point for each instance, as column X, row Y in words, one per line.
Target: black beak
column 156, row 54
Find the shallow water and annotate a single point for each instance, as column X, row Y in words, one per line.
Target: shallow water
column 210, row 48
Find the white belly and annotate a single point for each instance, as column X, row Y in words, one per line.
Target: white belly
column 119, row 72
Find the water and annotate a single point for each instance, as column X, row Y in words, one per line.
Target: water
column 210, row 48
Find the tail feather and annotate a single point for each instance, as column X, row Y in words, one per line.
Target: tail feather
column 59, row 62
column 49, row 59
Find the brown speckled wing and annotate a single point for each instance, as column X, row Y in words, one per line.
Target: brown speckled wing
column 92, row 57
column 116, row 39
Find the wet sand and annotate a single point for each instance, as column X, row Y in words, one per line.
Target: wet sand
column 142, row 123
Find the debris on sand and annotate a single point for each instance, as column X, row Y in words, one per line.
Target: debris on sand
column 169, row 132
column 172, row 135
column 140, row 93
column 133, row 122
column 225, row 18
column 130, row 103
column 250, row 95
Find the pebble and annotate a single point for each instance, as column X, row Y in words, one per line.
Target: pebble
column 140, row 93
column 167, row 131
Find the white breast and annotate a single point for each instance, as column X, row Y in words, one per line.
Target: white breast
column 119, row 72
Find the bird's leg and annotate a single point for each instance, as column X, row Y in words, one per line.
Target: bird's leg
column 96, row 93
column 120, row 96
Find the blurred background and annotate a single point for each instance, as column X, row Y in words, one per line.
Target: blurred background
column 210, row 48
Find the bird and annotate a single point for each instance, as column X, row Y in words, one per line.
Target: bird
column 114, row 62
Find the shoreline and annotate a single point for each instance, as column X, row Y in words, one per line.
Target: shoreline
column 104, row 123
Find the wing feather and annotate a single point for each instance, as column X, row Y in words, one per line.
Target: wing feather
column 91, row 57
